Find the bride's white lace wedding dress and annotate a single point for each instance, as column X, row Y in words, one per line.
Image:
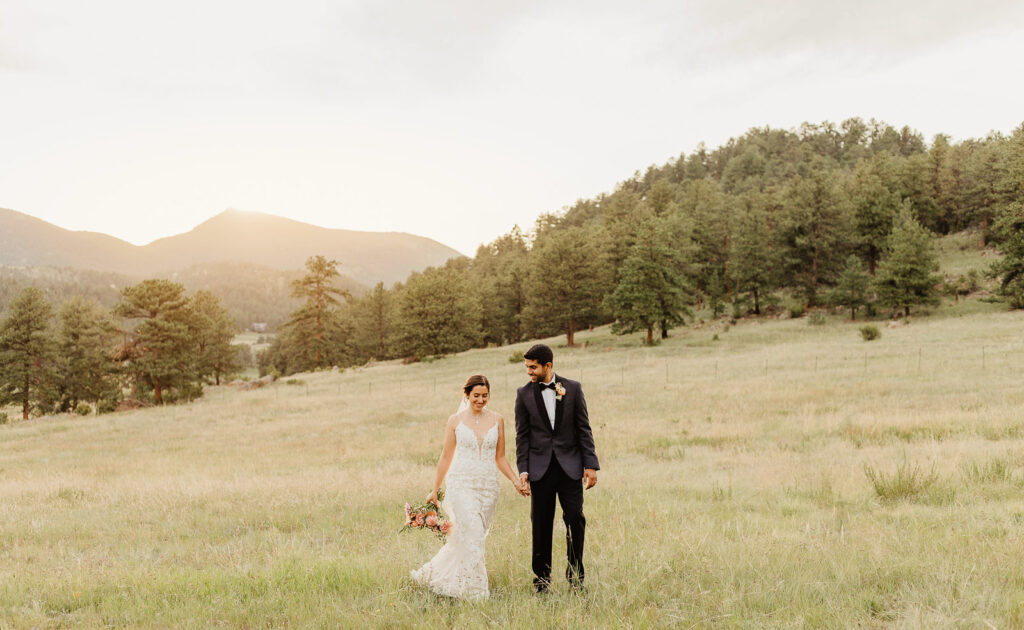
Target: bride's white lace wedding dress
column 471, row 495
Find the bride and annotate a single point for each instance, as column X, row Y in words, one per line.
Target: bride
column 474, row 443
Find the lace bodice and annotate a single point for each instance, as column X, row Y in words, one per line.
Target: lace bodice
column 471, row 454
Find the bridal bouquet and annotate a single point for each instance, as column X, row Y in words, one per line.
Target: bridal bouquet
column 427, row 516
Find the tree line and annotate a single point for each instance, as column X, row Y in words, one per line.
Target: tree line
column 157, row 345
column 250, row 292
column 822, row 215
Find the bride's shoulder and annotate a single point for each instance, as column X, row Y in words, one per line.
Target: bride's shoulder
column 453, row 420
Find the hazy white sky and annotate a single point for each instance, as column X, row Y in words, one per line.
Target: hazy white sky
column 451, row 119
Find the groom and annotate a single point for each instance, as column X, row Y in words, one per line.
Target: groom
column 554, row 452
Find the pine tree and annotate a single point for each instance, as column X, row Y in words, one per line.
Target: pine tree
column 905, row 276
column 27, row 352
column 985, row 181
column 214, row 329
column 86, row 370
column 708, row 211
column 374, row 323
column 814, row 232
column 566, row 283
column 316, row 333
column 875, row 203
column 751, row 265
column 652, row 289
column 499, row 270
column 159, row 353
column 1009, row 233
column 438, row 314
column 852, row 289
column 716, row 294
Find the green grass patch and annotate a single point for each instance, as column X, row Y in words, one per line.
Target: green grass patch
column 908, row 483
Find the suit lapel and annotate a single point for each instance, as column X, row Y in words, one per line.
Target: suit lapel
column 542, row 409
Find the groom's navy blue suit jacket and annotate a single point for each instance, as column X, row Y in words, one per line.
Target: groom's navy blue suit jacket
column 571, row 440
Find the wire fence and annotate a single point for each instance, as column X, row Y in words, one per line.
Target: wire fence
column 668, row 372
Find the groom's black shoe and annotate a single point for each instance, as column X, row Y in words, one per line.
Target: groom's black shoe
column 575, row 581
column 540, row 587
column 577, row 585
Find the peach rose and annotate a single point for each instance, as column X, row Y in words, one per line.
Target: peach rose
column 431, row 520
column 446, row 527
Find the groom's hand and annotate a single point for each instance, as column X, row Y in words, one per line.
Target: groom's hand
column 589, row 478
column 524, row 484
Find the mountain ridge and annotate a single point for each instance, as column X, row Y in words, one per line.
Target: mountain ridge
column 229, row 236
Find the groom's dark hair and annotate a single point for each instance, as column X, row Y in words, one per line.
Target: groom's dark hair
column 540, row 353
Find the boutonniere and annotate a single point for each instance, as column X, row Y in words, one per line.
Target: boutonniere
column 559, row 391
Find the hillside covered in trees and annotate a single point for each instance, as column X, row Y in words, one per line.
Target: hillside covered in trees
column 843, row 217
column 823, row 215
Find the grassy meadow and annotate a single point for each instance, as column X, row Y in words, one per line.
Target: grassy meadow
column 783, row 475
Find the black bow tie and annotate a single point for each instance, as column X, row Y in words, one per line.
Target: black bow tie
column 550, row 385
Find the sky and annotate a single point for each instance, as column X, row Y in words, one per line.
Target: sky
column 453, row 120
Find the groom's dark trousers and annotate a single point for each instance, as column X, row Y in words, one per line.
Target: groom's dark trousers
column 555, row 483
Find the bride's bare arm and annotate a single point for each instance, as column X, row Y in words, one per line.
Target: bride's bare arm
column 499, row 456
column 447, row 452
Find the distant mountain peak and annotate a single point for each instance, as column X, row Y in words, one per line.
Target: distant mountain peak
column 231, row 235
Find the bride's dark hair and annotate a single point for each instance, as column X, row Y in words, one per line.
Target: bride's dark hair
column 473, row 381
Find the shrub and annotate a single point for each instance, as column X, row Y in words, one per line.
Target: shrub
column 992, row 471
column 294, row 381
column 4, row 418
column 796, row 310
column 516, row 357
column 908, row 482
column 817, row 318
column 870, row 333
column 83, row 410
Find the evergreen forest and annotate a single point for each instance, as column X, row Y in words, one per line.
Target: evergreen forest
column 825, row 216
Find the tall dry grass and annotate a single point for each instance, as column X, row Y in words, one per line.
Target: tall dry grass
column 733, row 492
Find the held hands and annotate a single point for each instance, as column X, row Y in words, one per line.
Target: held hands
column 523, row 485
column 589, row 478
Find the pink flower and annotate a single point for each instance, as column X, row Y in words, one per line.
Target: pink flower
column 446, row 527
column 419, row 520
column 407, row 508
column 431, row 521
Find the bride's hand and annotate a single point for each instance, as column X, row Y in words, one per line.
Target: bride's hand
column 522, row 487
column 432, row 497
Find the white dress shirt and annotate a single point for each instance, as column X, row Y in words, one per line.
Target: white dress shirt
column 549, row 400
